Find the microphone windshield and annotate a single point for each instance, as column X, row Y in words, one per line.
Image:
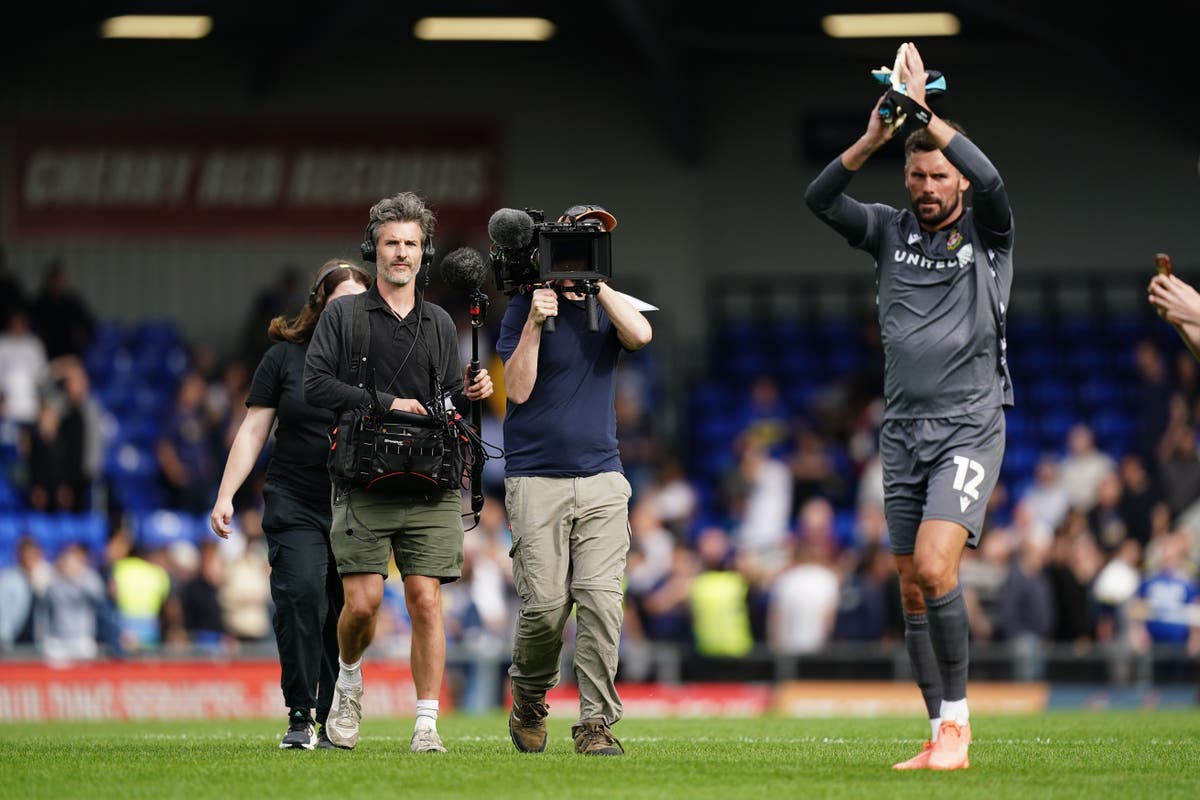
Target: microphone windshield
column 511, row 227
column 464, row 269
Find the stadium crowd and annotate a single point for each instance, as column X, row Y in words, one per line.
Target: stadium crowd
column 783, row 554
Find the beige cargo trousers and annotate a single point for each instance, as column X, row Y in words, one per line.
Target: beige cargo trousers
column 570, row 539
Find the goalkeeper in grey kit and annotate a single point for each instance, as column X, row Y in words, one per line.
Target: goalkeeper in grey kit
column 943, row 274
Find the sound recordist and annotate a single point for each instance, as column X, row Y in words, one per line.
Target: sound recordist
column 408, row 361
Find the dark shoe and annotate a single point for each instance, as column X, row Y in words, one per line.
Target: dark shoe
column 323, row 742
column 300, row 733
column 593, row 738
column 527, row 723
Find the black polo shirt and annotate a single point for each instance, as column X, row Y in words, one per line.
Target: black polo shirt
column 402, row 354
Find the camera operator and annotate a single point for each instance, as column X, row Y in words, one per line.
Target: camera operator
column 410, row 345
column 567, row 498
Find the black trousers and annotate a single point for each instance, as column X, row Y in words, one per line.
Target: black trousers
column 307, row 591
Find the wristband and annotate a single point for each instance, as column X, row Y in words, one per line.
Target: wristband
column 897, row 105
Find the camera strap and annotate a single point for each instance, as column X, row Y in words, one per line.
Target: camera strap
column 359, row 341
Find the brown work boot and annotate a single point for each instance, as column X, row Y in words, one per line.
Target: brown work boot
column 593, row 738
column 527, row 722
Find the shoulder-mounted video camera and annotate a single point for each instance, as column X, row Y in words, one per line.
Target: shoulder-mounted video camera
column 528, row 252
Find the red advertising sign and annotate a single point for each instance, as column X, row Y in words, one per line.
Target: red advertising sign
column 237, row 180
column 881, row 698
column 176, row 690
column 679, row 700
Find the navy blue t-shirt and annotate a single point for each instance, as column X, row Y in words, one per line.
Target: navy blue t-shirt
column 568, row 426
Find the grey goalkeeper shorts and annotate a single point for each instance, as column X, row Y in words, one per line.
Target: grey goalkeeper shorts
column 939, row 469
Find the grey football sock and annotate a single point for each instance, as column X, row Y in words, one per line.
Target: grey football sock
column 924, row 661
column 950, row 637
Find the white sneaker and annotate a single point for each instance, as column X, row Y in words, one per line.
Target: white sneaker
column 426, row 740
column 344, row 716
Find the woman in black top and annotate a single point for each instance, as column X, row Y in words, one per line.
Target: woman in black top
column 305, row 584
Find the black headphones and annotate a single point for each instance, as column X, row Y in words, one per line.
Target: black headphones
column 313, row 298
column 367, row 248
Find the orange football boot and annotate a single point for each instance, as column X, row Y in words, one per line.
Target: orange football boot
column 950, row 749
column 920, row 760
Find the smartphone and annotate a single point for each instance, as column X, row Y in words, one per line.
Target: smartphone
column 1163, row 262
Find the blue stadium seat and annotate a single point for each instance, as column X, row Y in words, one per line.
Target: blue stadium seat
column 133, row 474
column 1050, row 395
column 107, row 339
column 1100, row 393
column 115, row 395
column 798, row 362
column 1034, row 361
column 108, row 368
column 155, row 334
column 1122, row 330
column 789, row 334
column 711, row 462
column 740, row 334
column 1075, row 330
column 842, row 360
column 150, row 399
column 1025, row 330
column 1089, row 360
column 162, row 528
column 12, row 526
column 89, row 529
column 1019, row 425
column 162, row 369
column 48, row 530
column 138, row 430
column 138, row 492
column 1020, row 460
column 1115, row 431
column 11, row 498
column 838, row 331
column 739, row 368
column 710, row 397
column 107, row 335
column 798, row 396
column 1052, row 430
column 716, row 431
column 127, row 459
column 845, row 525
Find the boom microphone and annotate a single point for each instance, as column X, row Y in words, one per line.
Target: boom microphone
column 464, row 269
column 511, row 227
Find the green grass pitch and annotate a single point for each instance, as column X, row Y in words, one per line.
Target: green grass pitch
column 1093, row 754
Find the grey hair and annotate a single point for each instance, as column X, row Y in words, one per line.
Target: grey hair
column 402, row 207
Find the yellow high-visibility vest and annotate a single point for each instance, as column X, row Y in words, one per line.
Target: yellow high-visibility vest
column 720, row 615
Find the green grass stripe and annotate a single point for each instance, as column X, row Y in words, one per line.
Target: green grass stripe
column 1088, row 754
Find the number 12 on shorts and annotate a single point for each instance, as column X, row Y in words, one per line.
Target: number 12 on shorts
column 968, row 487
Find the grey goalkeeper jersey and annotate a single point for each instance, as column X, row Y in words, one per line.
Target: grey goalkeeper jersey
column 941, row 296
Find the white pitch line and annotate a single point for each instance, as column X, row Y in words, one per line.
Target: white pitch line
column 750, row 740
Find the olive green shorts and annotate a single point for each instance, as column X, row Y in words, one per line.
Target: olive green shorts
column 425, row 535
